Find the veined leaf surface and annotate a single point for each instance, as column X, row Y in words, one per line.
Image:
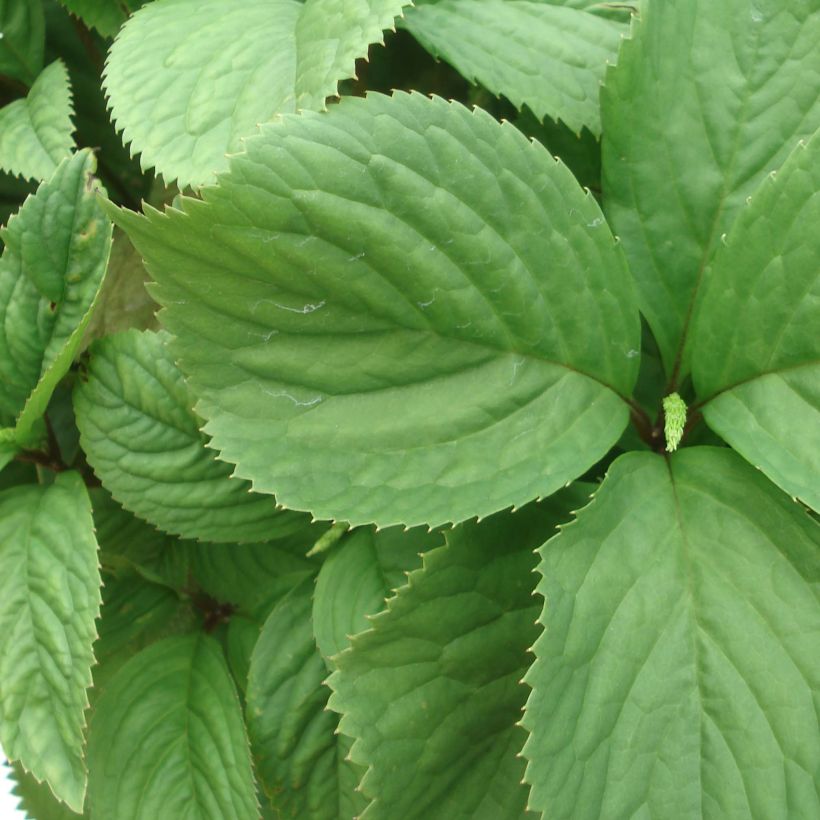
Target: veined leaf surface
column 431, row 693
column 23, row 41
column 678, row 673
column 756, row 359
column 707, row 98
column 35, row 132
column 548, row 57
column 143, row 440
column 437, row 325
column 299, row 754
column 49, row 599
column 173, row 704
column 55, row 256
column 185, row 104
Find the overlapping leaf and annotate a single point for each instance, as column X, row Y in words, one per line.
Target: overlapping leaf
column 357, row 578
column 49, row 599
column 56, row 251
column 299, row 754
column 23, row 40
column 167, row 738
column 432, row 692
column 400, row 311
column 756, row 358
column 706, row 100
column 35, row 132
column 36, row 799
column 104, row 15
column 678, row 675
column 547, row 57
column 188, row 79
column 142, row 438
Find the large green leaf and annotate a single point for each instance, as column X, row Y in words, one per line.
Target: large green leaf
column 756, row 356
column 547, row 57
column 56, row 251
column 23, row 40
column 167, row 738
column 35, row 132
column 301, row 758
column 706, row 100
column 49, row 598
column 399, row 311
column 143, row 440
column 679, row 672
column 431, row 693
column 188, row 79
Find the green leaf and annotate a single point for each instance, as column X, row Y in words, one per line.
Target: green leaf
column 35, row 132
column 186, row 103
column 135, row 614
column 49, row 598
column 36, row 799
column 300, row 756
column 130, row 546
column 397, row 294
column 756, row 355
column 358, row 576
column 104, row 15
column 254, row 577
column 124, row 302
column 707, row 99
column 549, row 58
column 50, row 273
column 167, row 738
column 678, row 673
column 23, row 40
column 431, row 692
column 143, row 440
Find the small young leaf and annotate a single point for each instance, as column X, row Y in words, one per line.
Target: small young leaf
column 677, row 674
column 396, row 339
column 706, row 99
column 142, row 438
column 431, row 693
column 35, row 132
column 55, row 256
column 756, row 357
column 549, row 58
column 23, row 41
column 184, row 103
column 167, row 739
column 49, row 599
column 674, row 421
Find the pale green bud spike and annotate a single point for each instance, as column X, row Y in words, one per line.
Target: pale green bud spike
column 674, row 414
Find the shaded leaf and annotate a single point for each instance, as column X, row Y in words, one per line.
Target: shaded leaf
column 21, row 47
column 172, row 704
column 431, row 693
column 36, row 131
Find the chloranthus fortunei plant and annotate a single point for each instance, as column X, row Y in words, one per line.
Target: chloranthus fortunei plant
column 410, row 411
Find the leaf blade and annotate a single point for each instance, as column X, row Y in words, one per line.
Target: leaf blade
column 50, row 598
column 681, row 611
column 428, row 372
